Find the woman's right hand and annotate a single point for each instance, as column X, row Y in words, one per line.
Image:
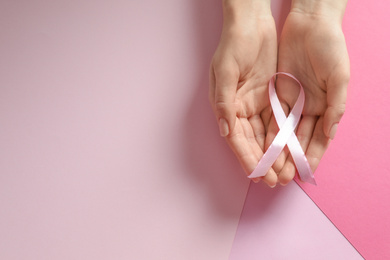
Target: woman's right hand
column 242, row 65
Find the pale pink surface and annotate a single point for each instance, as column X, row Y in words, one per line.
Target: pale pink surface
column 284, row 223
column 354, row 176
column 109, row 149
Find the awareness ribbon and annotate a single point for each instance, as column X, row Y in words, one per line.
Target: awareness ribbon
column 286, row 135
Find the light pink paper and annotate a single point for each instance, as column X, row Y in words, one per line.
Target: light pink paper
column 284, row 223
column 107, row 141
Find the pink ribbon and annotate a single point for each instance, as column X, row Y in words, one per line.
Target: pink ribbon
column 286, row 135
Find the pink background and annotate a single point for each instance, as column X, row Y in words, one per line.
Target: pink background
column 109, row 149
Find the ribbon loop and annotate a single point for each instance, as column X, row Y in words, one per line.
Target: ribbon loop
column 286, row 135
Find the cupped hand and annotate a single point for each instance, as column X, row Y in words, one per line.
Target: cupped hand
column 241, row 67
column 313, row 49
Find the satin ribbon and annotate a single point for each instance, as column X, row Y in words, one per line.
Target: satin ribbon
column 286, row 135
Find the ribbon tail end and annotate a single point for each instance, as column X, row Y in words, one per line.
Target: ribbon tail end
column 311, row 181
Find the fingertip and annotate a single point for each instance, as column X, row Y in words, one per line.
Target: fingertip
column 332, row 117
column 287, row 174
column 271, row 179
column 313, row 162
column 333, row 130
column 280, row 162
column 223, row 127
column 226, row 116
column 256, row 180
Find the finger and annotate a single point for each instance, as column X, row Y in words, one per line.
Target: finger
column 271, row 178
column 304, row 134
column 258, row 131
column 253, row 130
column 226, row 80
column 336, row 99
column 288, row 171
column 317, row 146
column 266, row 116
column 273, row 129
column 250, row 135
column 239, row 144
column 259, row 135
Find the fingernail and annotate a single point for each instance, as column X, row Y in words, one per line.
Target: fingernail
column 333, row 130
column 223, row 127
column 256, row 180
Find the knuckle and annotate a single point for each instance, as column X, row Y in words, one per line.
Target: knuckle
column 221, row 70
column 339, row 110
column 260, row 136
column 286, row 178
column 302, row 138
column 221, row 106
column 226, row 70
column 346, row 75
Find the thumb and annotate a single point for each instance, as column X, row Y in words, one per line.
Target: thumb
column 226, row 80
column 337, row 95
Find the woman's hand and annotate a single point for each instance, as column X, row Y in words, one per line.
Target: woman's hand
column 242, row 65
column 313, row 49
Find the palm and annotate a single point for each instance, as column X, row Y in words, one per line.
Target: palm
column 314, row 51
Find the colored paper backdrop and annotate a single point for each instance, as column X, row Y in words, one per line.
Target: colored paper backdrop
column 109, row 150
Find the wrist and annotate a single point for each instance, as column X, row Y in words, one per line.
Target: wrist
column 245, row 11
column 247, row 17
column 328, row 9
